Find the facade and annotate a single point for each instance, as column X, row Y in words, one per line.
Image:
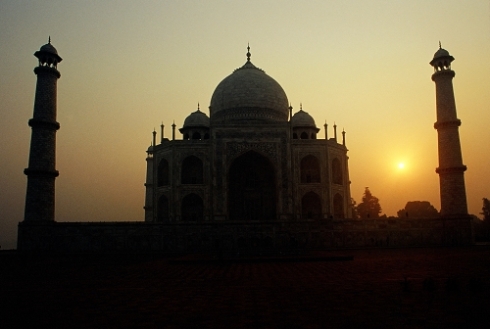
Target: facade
column 249, row 178
column 250, row 160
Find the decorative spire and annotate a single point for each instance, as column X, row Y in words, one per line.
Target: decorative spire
column 301, row 106
column 440, row 44
column 198, row 108
column 161, row 132
column 49, row 39
column 248, row 52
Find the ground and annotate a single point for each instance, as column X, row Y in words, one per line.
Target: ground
column 378, row 288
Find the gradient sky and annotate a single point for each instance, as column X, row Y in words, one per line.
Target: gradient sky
column 130, row 65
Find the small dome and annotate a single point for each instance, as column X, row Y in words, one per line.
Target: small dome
column 49, row 48
column 48, row 53
column 196, row 119
column 441, row 58
column 249, row 94
column 302, row 119
column 441, row 53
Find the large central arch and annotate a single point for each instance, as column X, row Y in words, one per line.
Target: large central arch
column 252, row 191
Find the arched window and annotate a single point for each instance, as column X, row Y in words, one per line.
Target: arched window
column 336, row 171
column 311, row 206
column 196, row 135
column 163, row 173
column 304, row 135
column 192, row 208
column 338, row 206
column 162, row 210
column 192, row 171
column 310, row 169
column 252, row 188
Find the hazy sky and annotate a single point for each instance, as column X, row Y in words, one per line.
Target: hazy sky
column 129, row 65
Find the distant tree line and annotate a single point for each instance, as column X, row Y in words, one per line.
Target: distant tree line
column 370, row 207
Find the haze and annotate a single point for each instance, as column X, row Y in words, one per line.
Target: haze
column 128, row 66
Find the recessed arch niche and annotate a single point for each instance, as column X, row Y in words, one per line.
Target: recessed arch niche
column 252, row 191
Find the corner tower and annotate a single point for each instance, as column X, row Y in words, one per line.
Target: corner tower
column 41, row 173
column 451, row 169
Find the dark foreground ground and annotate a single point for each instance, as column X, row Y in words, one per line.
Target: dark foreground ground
column 414, row 288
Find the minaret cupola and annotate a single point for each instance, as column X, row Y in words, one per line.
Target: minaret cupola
column 48, row 55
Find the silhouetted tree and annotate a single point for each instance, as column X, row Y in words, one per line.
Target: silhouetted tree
column 354, row 208
column 369, row 207
column 486, row 210
column 418, row 209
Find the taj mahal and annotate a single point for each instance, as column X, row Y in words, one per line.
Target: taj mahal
column 252, row 159
column 252, row 175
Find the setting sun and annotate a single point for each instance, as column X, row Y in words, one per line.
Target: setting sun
column 401, row 165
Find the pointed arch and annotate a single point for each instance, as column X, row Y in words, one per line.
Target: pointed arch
column 336, row 171
column 192, row 170
column 163, row 173
column 192, row 208
column 338, row 206
column 311, row 206
column 252, row 191
column 310, row 169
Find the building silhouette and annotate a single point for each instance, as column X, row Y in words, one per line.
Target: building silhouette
column 250, row 160
column 250, row 178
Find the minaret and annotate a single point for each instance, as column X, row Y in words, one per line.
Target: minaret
column 41, row 173
column 451, row 169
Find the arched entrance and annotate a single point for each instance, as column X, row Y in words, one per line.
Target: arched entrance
column 252, row 188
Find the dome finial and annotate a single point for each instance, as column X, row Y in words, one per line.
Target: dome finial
column 301, row 106
column 198, row 108
column 248, row 52
column 49, row 39
column 440, row 44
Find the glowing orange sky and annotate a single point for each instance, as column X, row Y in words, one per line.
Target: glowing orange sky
column 129, row 65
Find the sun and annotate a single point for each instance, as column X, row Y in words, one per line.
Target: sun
column 401, row 165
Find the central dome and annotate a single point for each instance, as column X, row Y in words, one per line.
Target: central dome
column 249, row 95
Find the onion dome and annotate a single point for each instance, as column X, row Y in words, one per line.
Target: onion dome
column 196, row 119
column 249, row 94
column 302, row 119
column 442, row 59
column 47, row 53
column 441, row 52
